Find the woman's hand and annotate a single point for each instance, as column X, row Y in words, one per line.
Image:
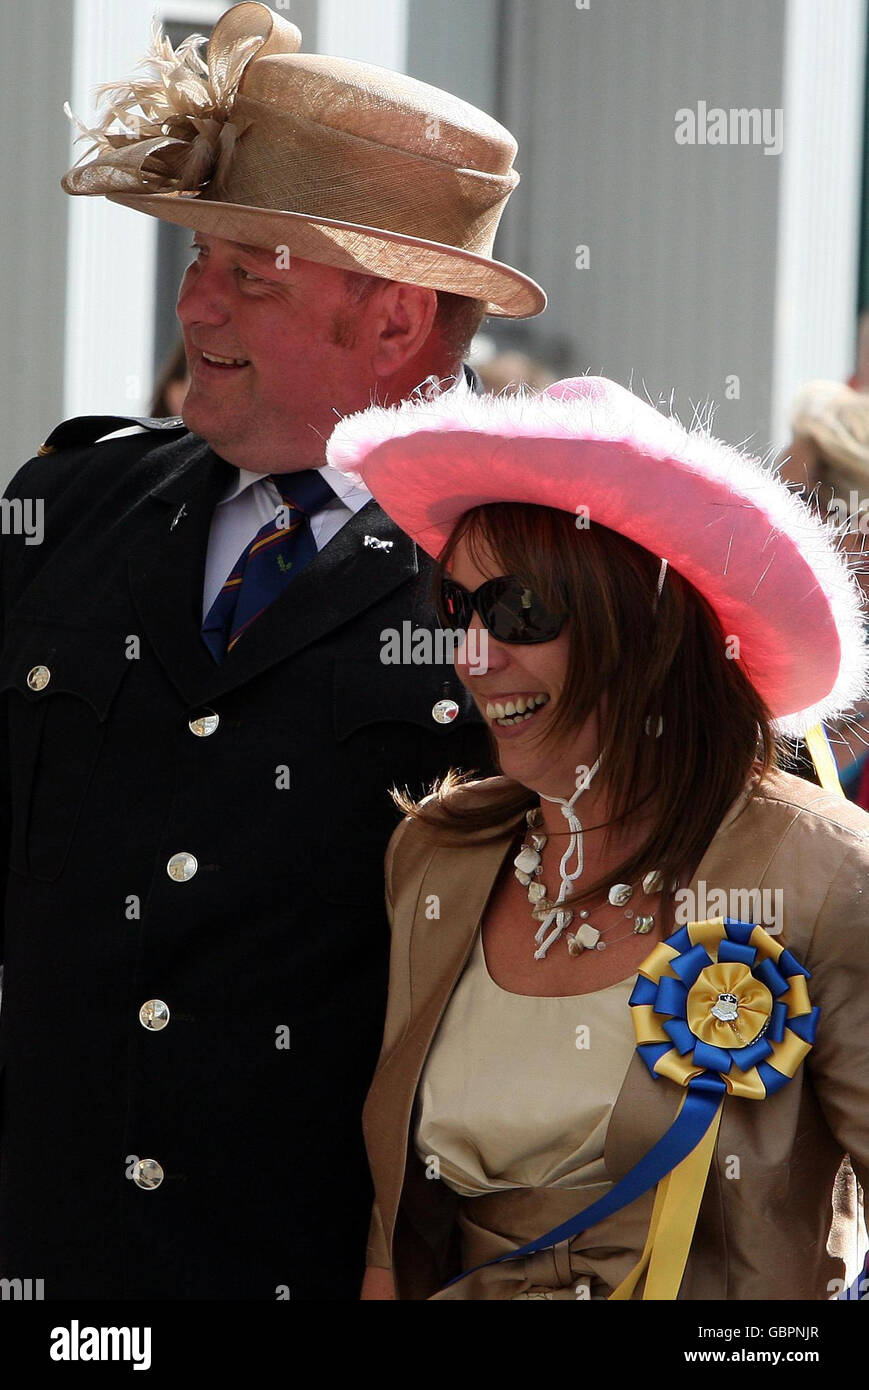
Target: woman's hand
column 378, row 1284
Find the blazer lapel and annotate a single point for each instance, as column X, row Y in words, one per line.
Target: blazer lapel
column 166, row 568
column 462, row 882
column 167, row 561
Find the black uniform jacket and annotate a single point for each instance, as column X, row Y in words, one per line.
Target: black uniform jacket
column 268, row 940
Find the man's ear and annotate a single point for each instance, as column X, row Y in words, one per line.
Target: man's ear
column 405, row 315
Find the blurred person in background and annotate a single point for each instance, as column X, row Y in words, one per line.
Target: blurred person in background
column 171, row 386
column 829, row 460
column 506, row 373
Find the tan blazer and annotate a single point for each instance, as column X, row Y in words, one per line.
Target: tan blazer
column 761, row 1234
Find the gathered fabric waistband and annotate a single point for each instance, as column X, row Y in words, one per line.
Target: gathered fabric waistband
column 586, row 1267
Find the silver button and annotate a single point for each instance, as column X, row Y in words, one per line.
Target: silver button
column 204, row 724
column 148, row 1174
column 182, row 867
column 154, row 1015
column 444, row 711
column 38, row 677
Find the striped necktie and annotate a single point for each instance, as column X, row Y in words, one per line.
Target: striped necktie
column 277, row 553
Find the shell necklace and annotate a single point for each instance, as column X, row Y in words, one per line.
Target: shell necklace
column 553, row 919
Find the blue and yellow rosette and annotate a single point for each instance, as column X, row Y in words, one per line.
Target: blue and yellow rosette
column 721, row 1009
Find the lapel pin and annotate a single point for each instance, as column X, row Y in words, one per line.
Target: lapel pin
column 445, row 709
column 181, row 512
column 374, row 543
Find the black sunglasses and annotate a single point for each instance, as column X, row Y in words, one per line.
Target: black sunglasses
column 511, row 611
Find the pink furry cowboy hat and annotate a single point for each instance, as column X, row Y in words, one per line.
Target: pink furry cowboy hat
column 766, row 564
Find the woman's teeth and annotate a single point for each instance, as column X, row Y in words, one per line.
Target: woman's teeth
column 515, row 711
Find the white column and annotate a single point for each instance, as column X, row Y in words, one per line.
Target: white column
column 192, row 12
column 819, row 199
column 374, row 31
column 111, row 250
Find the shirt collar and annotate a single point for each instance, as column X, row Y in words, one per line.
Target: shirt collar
column 351, row 494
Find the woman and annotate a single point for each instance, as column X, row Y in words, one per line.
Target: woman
column 656, row 611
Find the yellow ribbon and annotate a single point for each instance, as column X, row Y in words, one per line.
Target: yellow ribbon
column 626, row 1288
column 825, row 763
column 671, row 1229
column 679, row 1209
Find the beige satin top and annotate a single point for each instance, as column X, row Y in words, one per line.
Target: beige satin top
column 517, row 1090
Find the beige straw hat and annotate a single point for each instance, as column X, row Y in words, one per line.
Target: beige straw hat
column 342, row 162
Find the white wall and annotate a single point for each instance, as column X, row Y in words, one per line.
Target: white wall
column 35, row 43
column 680, row 287
column 706, row 263
column 457, row 45
column 373, row 31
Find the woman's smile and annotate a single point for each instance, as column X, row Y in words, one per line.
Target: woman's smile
column 508, row 711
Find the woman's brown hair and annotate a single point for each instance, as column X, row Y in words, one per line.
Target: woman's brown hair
column 654, row 658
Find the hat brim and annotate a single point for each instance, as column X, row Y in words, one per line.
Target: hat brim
column 771, row 572
column 350, row 246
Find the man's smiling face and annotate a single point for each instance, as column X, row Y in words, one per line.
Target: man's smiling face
column 299, row 354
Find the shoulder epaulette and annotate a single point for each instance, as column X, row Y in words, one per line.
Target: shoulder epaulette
column 87, row 429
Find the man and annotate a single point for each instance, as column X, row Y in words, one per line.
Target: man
column 202, row 732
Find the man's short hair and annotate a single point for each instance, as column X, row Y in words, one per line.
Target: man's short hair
column 457, row 319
